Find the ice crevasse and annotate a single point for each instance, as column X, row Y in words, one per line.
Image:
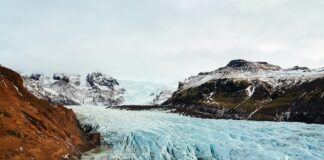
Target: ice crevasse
column 159, row 135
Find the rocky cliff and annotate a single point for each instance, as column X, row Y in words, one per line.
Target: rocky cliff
column 253, row 90
column 31, row 128
column 73, row 89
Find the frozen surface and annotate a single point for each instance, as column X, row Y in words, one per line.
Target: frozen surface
column 143, row 93
column 159, row 135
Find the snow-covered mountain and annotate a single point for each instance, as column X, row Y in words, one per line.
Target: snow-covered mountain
column 253, row 90
column 261, row 71
column 73, row 89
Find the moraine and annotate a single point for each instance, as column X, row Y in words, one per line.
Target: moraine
column 160, row 135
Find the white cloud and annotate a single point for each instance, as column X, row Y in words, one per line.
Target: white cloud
column 158, row 40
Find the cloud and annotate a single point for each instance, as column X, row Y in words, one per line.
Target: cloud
column 158, row 40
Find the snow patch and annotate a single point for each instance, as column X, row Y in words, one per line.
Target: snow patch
column 18, row 91
column 250, row 90
column 251, row 114
column 5, row 84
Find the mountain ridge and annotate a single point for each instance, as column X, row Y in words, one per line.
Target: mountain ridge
column 253, row 90
column 73, row 89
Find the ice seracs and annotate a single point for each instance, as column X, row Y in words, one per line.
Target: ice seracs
column 73, row 89
column 164, row 136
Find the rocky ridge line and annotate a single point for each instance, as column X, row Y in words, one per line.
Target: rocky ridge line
column 72, row 89
column 253, row 90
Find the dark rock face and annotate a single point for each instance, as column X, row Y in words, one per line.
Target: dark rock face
column 61, row 77
column 95, row 138
column 308, row 106
column 238, row 63
column 226, row 98
column 247, row 65
column 305, row 69
column 100, row 79
column 35, row 77
column 276, row 97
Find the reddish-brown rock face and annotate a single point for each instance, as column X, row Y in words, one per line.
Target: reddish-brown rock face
column 31, row 128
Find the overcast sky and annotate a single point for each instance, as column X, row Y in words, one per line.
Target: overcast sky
column 158, row 40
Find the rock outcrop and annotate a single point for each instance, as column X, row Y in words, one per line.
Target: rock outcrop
column 31, row 128
column 253, row 90
column 72, row 89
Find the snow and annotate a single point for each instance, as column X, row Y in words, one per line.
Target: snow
column 250, row 91
column 50, row 91
column 162, row 97
column 80, row 91
column 18, row 90
column 251, row 114
column 270, row 76
column 62, row 87
column 160, row 135
column 4, row 82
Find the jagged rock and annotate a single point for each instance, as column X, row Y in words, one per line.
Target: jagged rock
column 295, row 68
column 253, row 90
column 241, row 64
column 251, row 66
column 61, row 77
column 72, row 89
column 35, row 77
column 97, row 78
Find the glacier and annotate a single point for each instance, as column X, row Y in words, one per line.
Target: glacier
column 154, row 134
column 143, row 93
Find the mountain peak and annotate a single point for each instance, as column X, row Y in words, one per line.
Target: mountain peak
column 242, row 64
column 101, row 79
column 299, row 68
column 238, row 63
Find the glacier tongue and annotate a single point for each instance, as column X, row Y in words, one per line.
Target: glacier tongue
column 145, row 93
column 159, row 135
